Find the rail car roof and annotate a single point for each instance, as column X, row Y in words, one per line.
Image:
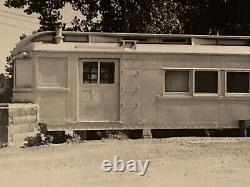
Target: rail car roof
column 47, row 37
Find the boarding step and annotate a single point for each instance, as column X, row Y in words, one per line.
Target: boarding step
column 19, row 138
column 24, row 128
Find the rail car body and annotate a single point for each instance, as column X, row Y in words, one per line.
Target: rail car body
column 91, row 81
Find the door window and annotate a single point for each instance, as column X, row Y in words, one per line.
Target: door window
column 99, row 72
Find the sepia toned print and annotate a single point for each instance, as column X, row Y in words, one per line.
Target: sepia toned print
column 124, row 93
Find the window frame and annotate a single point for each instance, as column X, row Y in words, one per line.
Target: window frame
column 98, row 61
column 97, row 73
column 222, row 82
column 192, row 82
column 218, row 82
column 235, row 93
column 189, row 82
column 102, row 74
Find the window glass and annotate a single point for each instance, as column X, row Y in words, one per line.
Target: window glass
column 90, row 72
column 206, row 82
column 177, row 81
column 107, row 71
column 237, row 82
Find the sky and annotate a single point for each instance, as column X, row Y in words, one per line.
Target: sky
column 13, row 23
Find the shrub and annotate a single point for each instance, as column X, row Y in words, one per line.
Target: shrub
column 41, row 138
column 72, row 138
column 37, row 140
column 3, row 144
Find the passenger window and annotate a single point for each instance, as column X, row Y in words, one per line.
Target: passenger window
column 238, row 82
column 107, row 71
column 206, row 82
column 177, row 81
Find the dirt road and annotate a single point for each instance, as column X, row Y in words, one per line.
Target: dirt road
column 173, row 162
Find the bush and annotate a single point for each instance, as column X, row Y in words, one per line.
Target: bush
column 3, row 144
column 41, row 138
column 72, row 138
column 37, row 140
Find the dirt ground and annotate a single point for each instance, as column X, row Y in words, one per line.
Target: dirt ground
column 173, row 162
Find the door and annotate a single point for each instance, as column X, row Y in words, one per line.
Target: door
column 98, row 90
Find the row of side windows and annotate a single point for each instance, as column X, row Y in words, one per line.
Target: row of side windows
column 175, row 80
column 205, row 81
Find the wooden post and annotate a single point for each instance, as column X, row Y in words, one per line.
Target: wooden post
column 146, row 133
column 243, row 129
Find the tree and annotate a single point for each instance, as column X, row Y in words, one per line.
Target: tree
column 229, row 17
column 89, row 10
column 156, row 16
column 4, row 92
column 226, row 17
column 7, row 94
column 6, row 81
column 9, row 66
column 48, row 11
column 50, row 16
column 236, row 18
column 164, row 18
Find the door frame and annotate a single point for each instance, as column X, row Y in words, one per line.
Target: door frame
column 80, row 80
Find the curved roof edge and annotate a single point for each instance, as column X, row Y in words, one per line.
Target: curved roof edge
column 103, row 37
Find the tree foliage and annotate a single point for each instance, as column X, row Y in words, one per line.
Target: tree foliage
column 229, row 17
column 48, row 11
column 156, row 16
column 8, row 67
column 6, row 81
column 89, row 10
column 140, row 16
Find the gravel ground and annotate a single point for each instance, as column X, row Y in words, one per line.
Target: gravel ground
column 173, row 162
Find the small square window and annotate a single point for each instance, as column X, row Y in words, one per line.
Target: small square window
column 206, row 82
column 99, row 72
column 238, row 82
column 177, row 81
column 107, row 73
column 90, row 72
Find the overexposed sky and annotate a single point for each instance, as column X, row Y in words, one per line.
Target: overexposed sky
column 13, row 23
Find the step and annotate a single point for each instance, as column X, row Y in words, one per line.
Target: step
column 15, row 129
column 19, row 139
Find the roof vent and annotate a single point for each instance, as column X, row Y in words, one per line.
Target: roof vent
column 128, row 44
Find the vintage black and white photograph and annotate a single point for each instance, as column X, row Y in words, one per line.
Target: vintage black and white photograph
column 138, row 93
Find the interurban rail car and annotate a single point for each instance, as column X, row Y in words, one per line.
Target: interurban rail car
column 91, row 81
